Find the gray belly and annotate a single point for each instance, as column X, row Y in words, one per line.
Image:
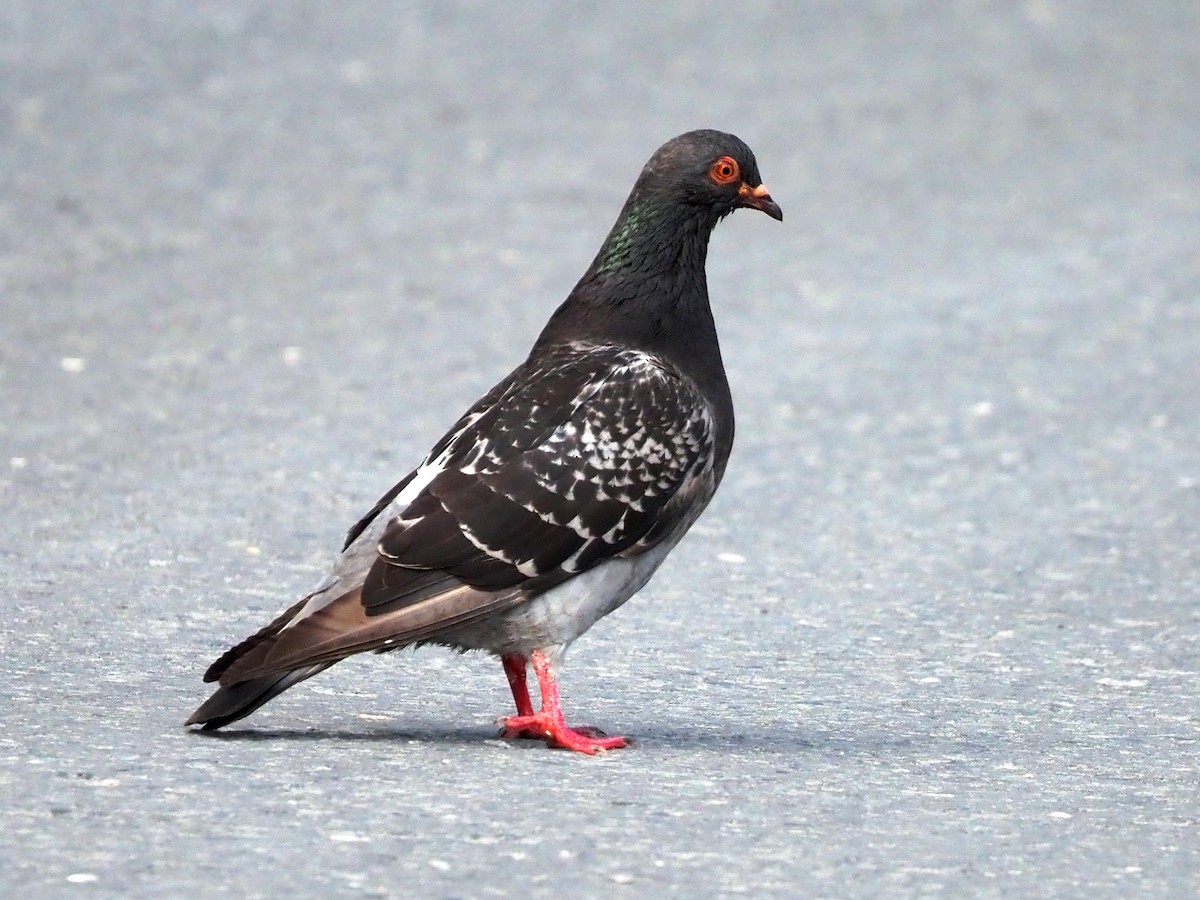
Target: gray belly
column 551, row 621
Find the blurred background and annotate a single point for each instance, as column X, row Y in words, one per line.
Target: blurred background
column 938, row 631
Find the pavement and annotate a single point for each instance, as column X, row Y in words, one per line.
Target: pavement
column 938, row 633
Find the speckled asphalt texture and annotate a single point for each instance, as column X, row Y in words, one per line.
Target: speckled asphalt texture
column 938, row 633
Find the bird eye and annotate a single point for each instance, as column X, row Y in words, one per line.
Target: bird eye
column 724, row 170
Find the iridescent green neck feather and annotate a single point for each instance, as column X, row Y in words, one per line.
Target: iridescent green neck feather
column 617, row 249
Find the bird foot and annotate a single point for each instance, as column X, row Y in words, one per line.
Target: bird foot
column 554, row 731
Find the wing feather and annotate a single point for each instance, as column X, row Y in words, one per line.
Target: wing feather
column 574, row 465
column 589, row 453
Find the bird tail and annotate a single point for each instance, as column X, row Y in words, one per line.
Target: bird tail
column 236, row 701
column 306, row 640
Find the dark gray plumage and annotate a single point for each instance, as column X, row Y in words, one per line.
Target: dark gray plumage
column 557, row 495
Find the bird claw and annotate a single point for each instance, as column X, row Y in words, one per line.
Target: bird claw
column 556, row 733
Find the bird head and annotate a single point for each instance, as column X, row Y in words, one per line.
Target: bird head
column 710, row 169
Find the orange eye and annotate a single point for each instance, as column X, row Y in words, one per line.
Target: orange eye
column 724, row 171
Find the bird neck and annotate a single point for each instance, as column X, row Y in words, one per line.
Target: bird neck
column 651, row 239
column 646, row 287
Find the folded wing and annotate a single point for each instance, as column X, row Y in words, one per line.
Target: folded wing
column 589, row 454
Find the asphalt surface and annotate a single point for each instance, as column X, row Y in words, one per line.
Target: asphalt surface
column 938, row 633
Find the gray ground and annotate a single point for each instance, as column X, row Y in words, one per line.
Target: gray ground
column 938, row 634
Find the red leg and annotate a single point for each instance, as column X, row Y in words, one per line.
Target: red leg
column 514, row 668
column 549, row 724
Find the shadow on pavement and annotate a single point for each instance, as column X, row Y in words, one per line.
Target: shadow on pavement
column 770, row 739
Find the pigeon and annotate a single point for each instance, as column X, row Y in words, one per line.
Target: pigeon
column 560, row 492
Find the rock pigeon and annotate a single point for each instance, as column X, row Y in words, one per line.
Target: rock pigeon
column 560, row 492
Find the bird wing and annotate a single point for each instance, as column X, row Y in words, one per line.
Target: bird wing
column 582, row 454
column 576, row 463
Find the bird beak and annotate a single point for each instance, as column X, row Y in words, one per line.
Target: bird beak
column 758, row 198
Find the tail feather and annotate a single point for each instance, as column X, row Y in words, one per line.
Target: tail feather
column 306, row 640
column 233, row 654
column 236, row 701
column 343, row 628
